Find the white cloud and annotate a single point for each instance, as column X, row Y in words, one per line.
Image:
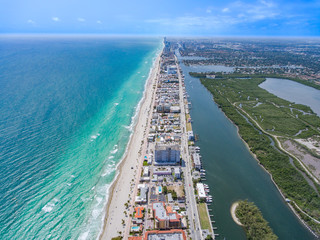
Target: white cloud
column 31, row 21
column 193, row 21
column 56, row 19
column 260, row 10
column 99, row 22
column 234, row 13
column 225, row 10
column 81, row 19
column 268, row 4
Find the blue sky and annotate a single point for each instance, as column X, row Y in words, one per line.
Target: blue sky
column 163, row 17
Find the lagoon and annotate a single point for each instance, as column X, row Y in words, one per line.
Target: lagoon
column 293, row 92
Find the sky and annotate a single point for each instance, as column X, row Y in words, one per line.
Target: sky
column 162, row 17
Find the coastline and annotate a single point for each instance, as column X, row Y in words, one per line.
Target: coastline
column 127, row 168
column 233, row 213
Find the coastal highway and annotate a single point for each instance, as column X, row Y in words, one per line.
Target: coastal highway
column 192, row 210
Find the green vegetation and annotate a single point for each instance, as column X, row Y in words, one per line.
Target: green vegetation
column 189, row 127
column 274, row 115
column 204, row 218
column 238, row 75
column 164, row 189
column 116, row 238
column 254, row 224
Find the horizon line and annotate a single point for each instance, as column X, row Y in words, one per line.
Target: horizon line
column 144, row 35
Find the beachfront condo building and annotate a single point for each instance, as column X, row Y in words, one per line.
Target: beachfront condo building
column 167, row 154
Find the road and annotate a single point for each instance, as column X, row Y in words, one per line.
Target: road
column 192, row 210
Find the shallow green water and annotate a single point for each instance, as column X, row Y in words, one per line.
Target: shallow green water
column 67, row 108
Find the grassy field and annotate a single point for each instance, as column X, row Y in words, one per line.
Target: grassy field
column 204, row 218
column 189, row 126
column 277, row 117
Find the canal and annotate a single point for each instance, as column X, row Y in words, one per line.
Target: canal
column 232, row 172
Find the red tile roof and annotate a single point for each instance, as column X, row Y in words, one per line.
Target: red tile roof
column 139, row 212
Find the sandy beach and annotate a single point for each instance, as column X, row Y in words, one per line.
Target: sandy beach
column 233, row 213
column 123, row 188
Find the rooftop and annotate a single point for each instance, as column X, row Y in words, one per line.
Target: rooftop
column 162, row 214
column 175, row 234
column 139, row 212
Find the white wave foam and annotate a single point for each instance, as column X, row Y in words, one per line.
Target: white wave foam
column 110, row 157
column 95, row 213
column 115, row 149
column 129, row 128
column 107, row 171
column 93, row 137
column 116, row 104
column 84, row 236
column 49, row 206
column 99, row 199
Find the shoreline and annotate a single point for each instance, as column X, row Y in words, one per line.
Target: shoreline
column 128, row 166
column 233, row 213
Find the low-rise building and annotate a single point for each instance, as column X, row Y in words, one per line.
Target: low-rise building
column 139, row 212
column 142, row 198
column 175, row 109
column 177, row 172
column 190, row 135
column 201, row 191
column 162, row 171
column 196, row 161
column 165, row 219
column 174, row 234
column 145, row 172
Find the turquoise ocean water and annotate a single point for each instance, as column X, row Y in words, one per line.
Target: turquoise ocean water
column 67, row 109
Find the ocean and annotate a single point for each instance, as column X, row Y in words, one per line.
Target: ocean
column 67, row 109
